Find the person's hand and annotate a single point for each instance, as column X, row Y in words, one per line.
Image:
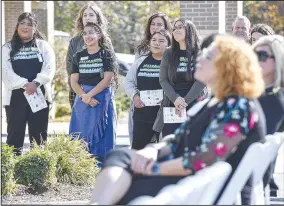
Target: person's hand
column 159, row 102
column 180, row 103
column 94, row 102
column 178, row 111
column 86, row 98
column 137, row 101
column 143, row 160
column 30, row 88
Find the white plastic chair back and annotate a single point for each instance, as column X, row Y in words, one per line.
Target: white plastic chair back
column 269, row 152
column 220, row 174
column 201, row 188
column 142, row 200
column 241, row 175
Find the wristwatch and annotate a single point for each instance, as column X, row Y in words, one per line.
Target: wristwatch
column 156, row 169
column 37, row 83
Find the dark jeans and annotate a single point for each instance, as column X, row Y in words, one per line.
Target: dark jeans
column 169, row 128
column 140, row 185
column 142, row 134
column 18, row 115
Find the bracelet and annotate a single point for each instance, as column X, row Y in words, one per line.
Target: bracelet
column 37, row 83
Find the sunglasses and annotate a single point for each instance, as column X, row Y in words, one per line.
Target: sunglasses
column 263, row 56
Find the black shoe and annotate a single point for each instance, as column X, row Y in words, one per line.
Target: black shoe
column 273, row 193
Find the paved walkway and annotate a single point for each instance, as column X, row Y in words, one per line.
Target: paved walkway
column 63, row 127
column 123, row 140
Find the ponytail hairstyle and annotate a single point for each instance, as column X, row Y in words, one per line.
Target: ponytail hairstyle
column 104, row 44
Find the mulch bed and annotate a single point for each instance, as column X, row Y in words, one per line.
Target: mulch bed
column 60, row 193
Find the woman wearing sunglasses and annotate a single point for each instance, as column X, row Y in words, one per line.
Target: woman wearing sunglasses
column 270, row 53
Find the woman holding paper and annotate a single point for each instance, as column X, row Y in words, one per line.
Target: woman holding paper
column 176, row 77
column 94, row 74
column 28, row 67
column 219, row 128
column 142, row 86
column 156, row 22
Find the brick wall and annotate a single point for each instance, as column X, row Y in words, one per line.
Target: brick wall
column 13, row 9
column 231, row 13
column 205, row 15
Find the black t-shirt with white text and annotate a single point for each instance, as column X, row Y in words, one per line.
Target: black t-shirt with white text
column 148, row 79
column 184, row 78
column 91, row 67
column 27, row 62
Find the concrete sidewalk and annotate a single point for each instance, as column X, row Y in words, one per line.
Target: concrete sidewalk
column 63, row 128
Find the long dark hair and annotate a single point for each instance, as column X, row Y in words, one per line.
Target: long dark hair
column 16, row 41
column 143, row 47
column 101, row 20
column 104, row 44
column 192, row 40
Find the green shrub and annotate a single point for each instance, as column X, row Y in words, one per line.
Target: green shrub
column 123, row 102
column 36, row 169
column 118, row 108
column 74, row 163
column 62, row 110
column 7, row 169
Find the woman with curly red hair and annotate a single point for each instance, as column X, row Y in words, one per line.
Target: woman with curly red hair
column 219, row 128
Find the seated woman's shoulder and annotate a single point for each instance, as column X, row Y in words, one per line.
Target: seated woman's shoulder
column 246, row 111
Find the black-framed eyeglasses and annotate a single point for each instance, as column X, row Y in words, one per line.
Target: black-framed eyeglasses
column 263, row 56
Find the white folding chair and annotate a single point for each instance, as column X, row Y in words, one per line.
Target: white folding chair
column 221, row 173
column 205, row 185
column 231, row 193
column 251, row 165
column 201, row 188
column 142, row 200
column 269, row 152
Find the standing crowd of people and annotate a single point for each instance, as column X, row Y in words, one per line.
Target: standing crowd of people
column 221, row 94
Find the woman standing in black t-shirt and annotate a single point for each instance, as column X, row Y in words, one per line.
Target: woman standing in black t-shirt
column 92, row 73
column 176, row 74
column 144, row 77
column 28, row 63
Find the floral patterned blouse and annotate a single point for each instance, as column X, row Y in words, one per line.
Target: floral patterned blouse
column 221, row 132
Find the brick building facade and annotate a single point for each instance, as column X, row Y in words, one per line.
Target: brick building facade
column 209, row 16
column 44, row 11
